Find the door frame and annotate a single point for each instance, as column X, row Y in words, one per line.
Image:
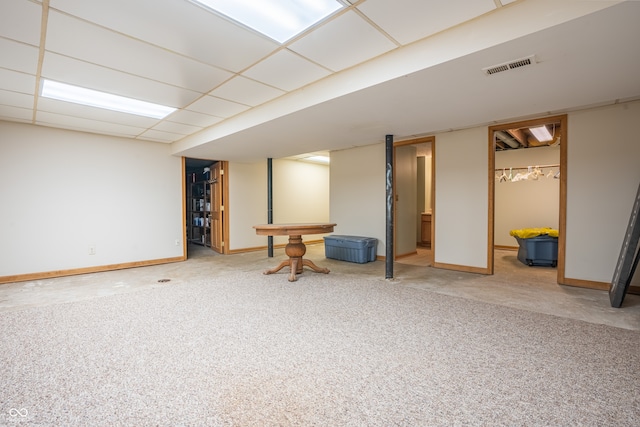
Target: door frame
column 224, row 201
column 415, row 141
column 218, row 198
column 562, row 220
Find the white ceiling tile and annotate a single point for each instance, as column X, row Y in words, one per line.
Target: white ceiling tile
column 10, row 113
column 410, row 20
column 157, row 135
column 104, row 47
column 194, row 118
column 86, row 125
column 217, row 107
column 343, row 42
column 94, row 113
column 179, row 26
column 287, row 71
column 177, row 128
column 17, row 82
column 68, row 70
column 21, row 20
column 246, row 91
column 18, row 56
column 16, row 99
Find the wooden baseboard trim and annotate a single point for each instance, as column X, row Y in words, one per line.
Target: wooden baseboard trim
column 506, row 248
column 601, row 286
column 86, row 270
column 589, row 284
column 465, row 268
column 406, row 255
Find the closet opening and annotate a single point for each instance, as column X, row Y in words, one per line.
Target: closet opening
column 527, row 197
column 206, row 193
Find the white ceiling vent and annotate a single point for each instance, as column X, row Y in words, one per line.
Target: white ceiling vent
column 511, row 65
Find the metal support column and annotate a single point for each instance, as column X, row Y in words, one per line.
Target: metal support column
column 270, row 204
column 390, row 205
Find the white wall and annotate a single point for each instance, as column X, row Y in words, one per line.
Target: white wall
column 358, row 192
column 528, row 203
column 602, row 180
column 461, row 198
column 63, row 191
column 247, row 204
column 300, row 194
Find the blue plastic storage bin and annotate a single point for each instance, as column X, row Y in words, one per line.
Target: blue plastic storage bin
column 350, row 248
column 540, row 250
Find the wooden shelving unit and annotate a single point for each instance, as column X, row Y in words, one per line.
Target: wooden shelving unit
column 198, row 209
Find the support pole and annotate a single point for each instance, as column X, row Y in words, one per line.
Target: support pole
column 270, row 204
column 389, row 198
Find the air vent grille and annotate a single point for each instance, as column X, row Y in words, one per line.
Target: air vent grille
column 511, row 65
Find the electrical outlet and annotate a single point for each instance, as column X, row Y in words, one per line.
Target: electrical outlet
column 177, row 242
column 92, row 249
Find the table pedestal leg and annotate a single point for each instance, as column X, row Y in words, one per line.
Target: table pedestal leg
column 295, row 249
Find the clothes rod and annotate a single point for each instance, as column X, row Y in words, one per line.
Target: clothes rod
column 527, row 167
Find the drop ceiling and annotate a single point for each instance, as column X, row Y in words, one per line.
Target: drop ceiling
column 403, row 67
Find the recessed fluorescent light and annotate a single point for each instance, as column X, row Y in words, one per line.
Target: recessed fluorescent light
column 277, row 19
column 94, row 98
column 541, row 133
column 318, row 159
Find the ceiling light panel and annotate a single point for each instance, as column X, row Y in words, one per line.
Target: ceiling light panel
column 541, row 133
column 94, row 98
column 318, row 159
column 410, row 20
column 279, row 20
column 343, row 42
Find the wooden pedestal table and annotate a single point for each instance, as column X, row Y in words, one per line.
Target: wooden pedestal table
column 295, row 249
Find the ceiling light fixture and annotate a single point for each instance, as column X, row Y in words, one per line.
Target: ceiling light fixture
column 541, row 133
column 94, row 98
column 277, row 19
column 318, row 159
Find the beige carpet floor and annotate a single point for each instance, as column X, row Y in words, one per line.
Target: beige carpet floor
column 244, row 349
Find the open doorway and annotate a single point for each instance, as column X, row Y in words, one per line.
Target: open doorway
column 206, row 192
column 413, row 207
column 527, row 190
